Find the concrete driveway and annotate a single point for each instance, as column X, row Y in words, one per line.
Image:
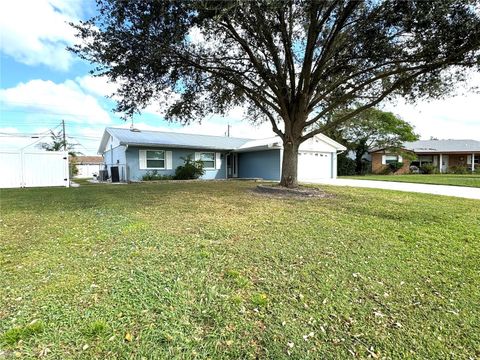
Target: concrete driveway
column 457, row 191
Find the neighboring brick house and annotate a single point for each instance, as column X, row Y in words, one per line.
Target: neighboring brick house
column 441, row 153
column 381, row 158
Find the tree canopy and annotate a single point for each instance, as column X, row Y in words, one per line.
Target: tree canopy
column 372, row 128
column 292, row 63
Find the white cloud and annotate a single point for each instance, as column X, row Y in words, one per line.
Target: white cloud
column 37, row 31
column 455, row 117
column 97, row 85
column 67, row 100
column 11, row 138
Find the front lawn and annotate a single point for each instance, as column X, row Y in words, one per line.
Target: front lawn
column 212, row 270
column 472, row 180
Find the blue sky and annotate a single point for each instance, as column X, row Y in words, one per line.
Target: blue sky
column 43, row 84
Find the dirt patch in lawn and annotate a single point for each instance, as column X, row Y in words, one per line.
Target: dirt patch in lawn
column 301, row 193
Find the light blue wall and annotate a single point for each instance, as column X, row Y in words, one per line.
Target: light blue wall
column 135, row 173
column 116, row 157
column 259, row 164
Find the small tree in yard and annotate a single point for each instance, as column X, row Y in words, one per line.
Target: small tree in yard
column 293, row 63
column 370, row 129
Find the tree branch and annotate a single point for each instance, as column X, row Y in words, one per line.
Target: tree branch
column 344, row 118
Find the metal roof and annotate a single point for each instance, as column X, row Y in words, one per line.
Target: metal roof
column 434, row 146
column 194, row 141
column 172, row 139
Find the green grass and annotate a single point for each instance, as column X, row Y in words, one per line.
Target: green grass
column 211, row 270
column 438, row 179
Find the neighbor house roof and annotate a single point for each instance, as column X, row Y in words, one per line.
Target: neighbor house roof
column 438, row 146
column 181, row 140
column 92, row 160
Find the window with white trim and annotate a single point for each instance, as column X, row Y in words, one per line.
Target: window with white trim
column 208, row 159
column 391, row 159
column 155, row 159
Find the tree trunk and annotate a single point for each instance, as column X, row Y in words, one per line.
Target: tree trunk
column 361, row 150
column 290, row 164
column 358, row 164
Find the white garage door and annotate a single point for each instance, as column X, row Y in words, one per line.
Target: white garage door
column 314, row 165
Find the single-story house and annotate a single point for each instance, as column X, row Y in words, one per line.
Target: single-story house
column 443, row 154
column 129, row 154
column 88, row 166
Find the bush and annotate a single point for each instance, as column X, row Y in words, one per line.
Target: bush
column 345, row 165
column 154, row 175
column 189, row 170
column 477, row 170
column 391, row 168
column 385, row 171
column 395, row 166
column 428, row 169
column 458, row 169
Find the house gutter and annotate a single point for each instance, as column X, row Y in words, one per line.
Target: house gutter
column 173, row 146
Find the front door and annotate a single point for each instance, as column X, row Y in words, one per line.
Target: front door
column 232, row 165
column 444, row 163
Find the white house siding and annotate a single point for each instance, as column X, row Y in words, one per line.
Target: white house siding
column 88, row 170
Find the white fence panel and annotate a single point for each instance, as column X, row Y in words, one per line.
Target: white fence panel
column 34, row 169
column 10, row 170
column 45, row 169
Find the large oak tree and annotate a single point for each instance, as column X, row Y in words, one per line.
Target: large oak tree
column 292, row 63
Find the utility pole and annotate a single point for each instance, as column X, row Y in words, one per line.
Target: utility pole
column 64, row 136
column 228, row 130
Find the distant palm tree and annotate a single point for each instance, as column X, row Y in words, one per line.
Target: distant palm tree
column 58, row 143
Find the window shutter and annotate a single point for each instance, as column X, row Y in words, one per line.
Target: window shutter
column 384, row 159
column 142, row 159
column 218, row 160
column 168, row 160
column 469, row 159
column 197, row 156
column 400, row 159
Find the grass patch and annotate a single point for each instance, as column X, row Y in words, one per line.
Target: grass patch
column 259, row 299
column 95, row 329
column 471, row 180
column 14, row 335
column 205, row 270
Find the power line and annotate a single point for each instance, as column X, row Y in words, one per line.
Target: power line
column 41, row 138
